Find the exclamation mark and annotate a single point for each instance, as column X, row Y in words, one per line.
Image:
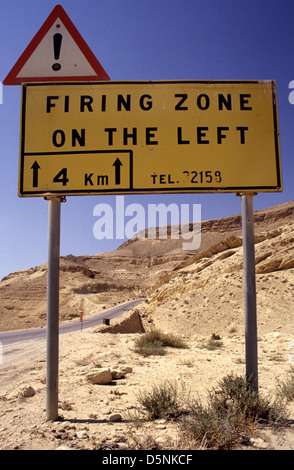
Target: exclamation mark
column 57, row 39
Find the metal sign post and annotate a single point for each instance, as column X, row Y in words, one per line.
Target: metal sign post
column 81, row 320
column 249, row 290
column 53, row 307
column 77, row 63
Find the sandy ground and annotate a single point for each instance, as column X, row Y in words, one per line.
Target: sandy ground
column 86, row 409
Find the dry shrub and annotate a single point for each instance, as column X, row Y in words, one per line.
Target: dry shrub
column 154, row 342
column 285, row 387
column 231, row 411
column 167, row 400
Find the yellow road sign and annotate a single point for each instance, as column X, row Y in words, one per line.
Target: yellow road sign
column 141, row 137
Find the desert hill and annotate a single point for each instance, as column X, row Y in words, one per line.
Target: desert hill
column 191, row 293
column 181, row 286
column 204, row 293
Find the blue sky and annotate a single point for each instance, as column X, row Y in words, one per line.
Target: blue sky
column 142, row 40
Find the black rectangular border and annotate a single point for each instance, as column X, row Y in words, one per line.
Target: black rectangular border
column 79, row 191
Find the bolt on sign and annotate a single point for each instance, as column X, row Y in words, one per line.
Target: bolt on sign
column 140, row 137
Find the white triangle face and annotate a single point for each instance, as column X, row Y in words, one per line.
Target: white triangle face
column 69, row 62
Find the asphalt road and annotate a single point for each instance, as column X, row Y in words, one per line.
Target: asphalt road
column 27, row 335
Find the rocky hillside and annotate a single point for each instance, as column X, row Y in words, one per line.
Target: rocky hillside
column 186, row 290
column 204, row 294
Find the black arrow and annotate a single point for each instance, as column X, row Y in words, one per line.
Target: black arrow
column 117, row 164
column 35, row 167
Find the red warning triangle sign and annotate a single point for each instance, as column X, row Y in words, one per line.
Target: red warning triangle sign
column 56, row 53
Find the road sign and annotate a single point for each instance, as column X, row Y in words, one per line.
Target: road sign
column 56, row 53
column 141, row 137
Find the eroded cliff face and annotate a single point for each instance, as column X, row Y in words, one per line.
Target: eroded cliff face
column 205, row 293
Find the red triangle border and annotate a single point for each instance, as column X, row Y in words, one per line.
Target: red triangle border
column 58, row 12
